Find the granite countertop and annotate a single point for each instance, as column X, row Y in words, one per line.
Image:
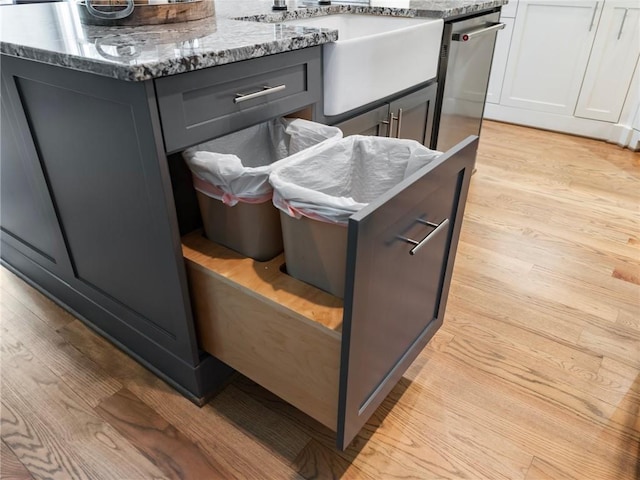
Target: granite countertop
column 52, row 33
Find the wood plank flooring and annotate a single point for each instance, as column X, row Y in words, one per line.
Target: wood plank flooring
column 534, row 375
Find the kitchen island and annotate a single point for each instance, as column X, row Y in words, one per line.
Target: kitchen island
column 95, row 208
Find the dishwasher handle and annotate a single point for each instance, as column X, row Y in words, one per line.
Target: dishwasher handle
column 476, row 32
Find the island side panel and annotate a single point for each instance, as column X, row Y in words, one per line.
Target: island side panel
column 98, row 145
column 29, row 222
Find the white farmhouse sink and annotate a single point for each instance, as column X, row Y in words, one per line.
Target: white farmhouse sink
column 375, row 56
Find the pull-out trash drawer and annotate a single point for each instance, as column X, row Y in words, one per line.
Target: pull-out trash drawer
column 335, row 359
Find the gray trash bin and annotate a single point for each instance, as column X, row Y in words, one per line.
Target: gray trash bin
column 230, row 175
column 319, row 189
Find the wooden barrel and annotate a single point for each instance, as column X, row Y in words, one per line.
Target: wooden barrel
column 146, row 13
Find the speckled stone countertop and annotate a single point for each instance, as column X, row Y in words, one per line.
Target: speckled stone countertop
column 52, row 33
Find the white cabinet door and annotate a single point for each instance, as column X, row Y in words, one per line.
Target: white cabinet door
column 509, row 10
column 612, row 62
column 499, row 64
column 549, row 53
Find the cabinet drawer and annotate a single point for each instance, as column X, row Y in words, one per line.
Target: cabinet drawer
column 204, row 104
column 338, row 361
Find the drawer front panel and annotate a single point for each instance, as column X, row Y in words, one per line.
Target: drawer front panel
column 398, row 275
column 201, row 105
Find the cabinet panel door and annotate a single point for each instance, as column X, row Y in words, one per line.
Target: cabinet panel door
column 395, row 300
column 509, row 10
column 549, row 54
column 613, row 60
column 107, row 178
column 28, row 218
column 414, row 113
column 374, row 122
column 499, row 63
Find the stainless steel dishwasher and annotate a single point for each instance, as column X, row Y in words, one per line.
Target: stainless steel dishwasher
column 463, row 77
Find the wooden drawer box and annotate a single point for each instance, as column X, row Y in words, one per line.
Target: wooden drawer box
column 201, row 105
column 337, row 362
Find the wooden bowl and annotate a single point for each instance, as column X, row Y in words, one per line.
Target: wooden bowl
column 146, row 13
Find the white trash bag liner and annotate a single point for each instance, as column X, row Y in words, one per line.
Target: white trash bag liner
column 332, row 181
column 235, row 168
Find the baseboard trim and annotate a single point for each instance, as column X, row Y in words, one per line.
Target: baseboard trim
column 621, row 135
column 551, row 121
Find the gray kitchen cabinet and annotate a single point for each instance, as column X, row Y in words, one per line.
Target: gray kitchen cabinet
column 409, row 116
column 106, row 188
column 87, row 213
column 88, row 208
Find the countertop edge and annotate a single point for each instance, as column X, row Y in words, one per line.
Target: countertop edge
column 310, row 12
column 174, row 66
column 141, row 55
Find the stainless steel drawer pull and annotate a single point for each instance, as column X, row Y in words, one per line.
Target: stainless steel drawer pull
column 389, row 124
column 399, row 123
column 475, row 33
column 266, row 90
column 437, row 227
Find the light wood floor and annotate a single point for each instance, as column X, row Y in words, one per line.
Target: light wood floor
column 535, row 374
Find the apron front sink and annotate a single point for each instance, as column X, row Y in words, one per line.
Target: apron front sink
column 375, row 56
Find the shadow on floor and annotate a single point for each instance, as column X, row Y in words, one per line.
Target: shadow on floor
column 319, row 457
